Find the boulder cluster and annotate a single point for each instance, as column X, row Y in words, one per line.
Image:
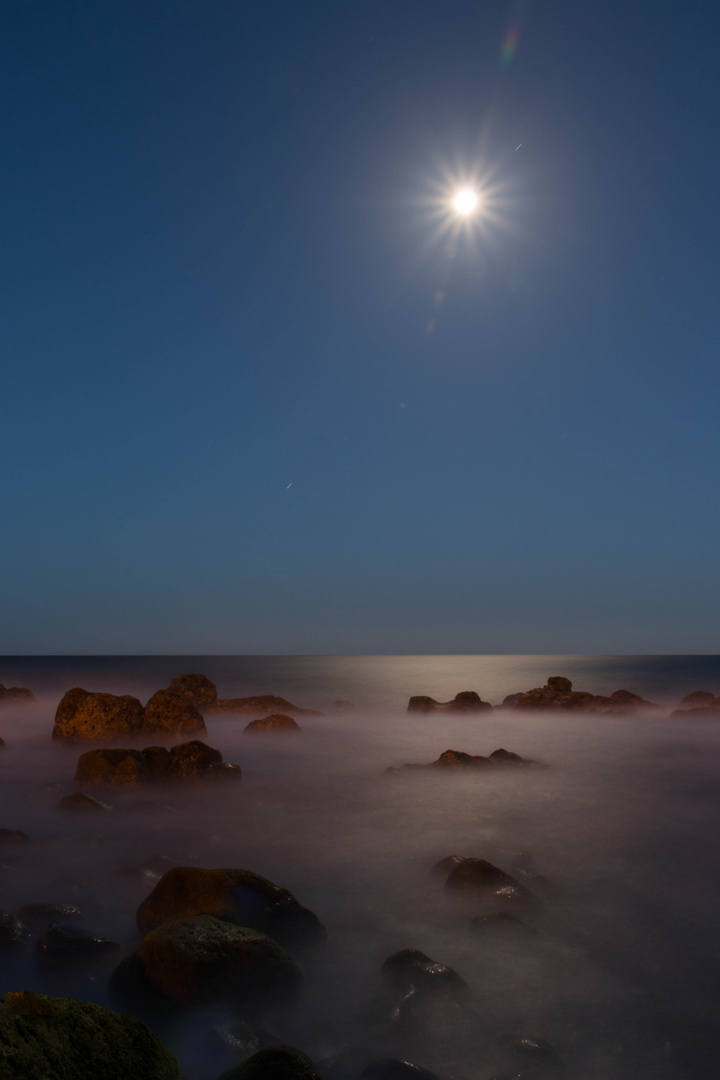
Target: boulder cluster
column 557, row 694
column 188, row 761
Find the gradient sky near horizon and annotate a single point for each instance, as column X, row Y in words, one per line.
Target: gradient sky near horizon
column 258, row 398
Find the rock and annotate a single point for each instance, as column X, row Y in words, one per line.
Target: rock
column 40, row 916
column 227, row 770
column 559, row 694
column 260, row 705
column 480, row 875
column 157, row 759
column 192, row 760
column 238, row 896
column 506, row 757
column 83, row 803
column 13, row 836
column 457, row 759
column 202, row 961
column 411, row 969
column 341, row 706
column 394, row 1069
column 276, row 722
column 465, row 701
column 225, row 1044
column 16, row 695
column 47, row 1038
column 501, row 923
column 697, row 700
column 168, row 713
column 275, row 1063
column 111, row 767
column 63, row 943
column 12, row 932
column 82, row 715
column 523, row 1053
column 443, row 868
column 197, row 689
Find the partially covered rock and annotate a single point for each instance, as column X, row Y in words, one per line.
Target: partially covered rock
column 49, row 1038
column 238, row 896
column 412, row 969
column 395, row 1069
column 157, row 759
column 478, row 875
column 13, row 933
column 443, row 868
column 697, row 700
column 275, row 1063
column 197, row 689
column 203, row 960
column 13, row 836
column 168, row 713
column 277, row 722
column 465, row 701
column 110, row 767
column 192, row 760
column 698, row 705
column 259, row 705
column 559, row 694
column 82, row 803
column 64, row 943
column 457, row 759
column 40, row 916
column 16, row 695
column 82, row 715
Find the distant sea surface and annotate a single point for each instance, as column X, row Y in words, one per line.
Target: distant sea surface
column 369, row 682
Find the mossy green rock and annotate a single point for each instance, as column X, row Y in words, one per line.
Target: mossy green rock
column 202, row 961
column 49, row 1038
column 274, row 1063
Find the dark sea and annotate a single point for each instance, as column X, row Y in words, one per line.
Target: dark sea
column 616, row 973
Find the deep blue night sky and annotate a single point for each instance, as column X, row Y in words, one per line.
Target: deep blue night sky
column 222, row 275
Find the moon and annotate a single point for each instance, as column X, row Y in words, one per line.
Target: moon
column 465, row 201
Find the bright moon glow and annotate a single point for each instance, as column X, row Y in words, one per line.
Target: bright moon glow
column 466, row 201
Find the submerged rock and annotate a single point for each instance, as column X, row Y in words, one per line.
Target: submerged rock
column 63, row 943
column 259, row 705
column 82, row 803
column 501, row 924
column 457, row 759
column 13, row 836
column 559, row 694
column 465, row 701
column 237, row 896
column 479, row 875
column 12, row 932
column 411, row 969
column 169, row 713
column 394, row 1069
column 16, row 695
column 110, row 767
column 49, row 1038
column 40, row 916
column 203, row 960
column 274, row 1063
column 276, row 722
column 197, row 689
column 82, row 715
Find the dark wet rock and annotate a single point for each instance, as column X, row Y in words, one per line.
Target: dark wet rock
column 457, row 759
column 443, row 868
column 82, row 803
column 85, row 716
column 16, row 695
column 395, row 1069
column 465, row 701
column 501, row 924
column 203, row 960
column 40, row 916
column 238, row 896
column 479, row 875
column 274, row 1063
column 13, row 836
column 559, row 694
column 64, row 943
column 260, row 705
column 197, row 689
column 157, row 759
column 12, row 932
column 168, row 713
column 48, row 1038
column 411, row 969
column 536, row 1056
column 111, row 767
column 276, row 722
column 192, row 760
